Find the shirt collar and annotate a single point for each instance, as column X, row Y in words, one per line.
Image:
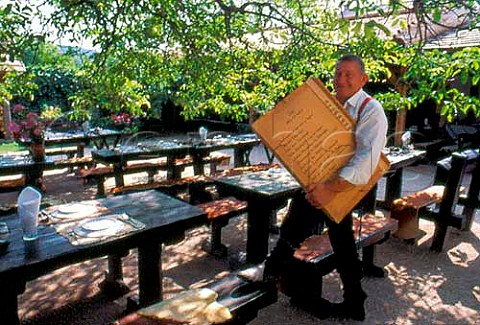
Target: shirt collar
column 354, row 101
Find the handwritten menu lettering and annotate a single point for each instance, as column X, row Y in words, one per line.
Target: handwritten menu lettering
column 313, row 136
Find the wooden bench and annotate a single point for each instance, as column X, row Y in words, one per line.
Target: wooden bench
column 99, row 174
column 436, row 203
column 219, row 213
column 181, row 188
column 245, row 169
column 70, row 163
column 242, row 298
column 197, row 190
column 70, row 152
column 470, row 200
column 315, row 257
column 12, row 185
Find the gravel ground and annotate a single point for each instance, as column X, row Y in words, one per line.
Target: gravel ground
column 421, row 287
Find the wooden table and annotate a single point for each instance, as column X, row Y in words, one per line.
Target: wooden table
column 242, row 145
column 24, row 165
column 173, row 149
column 264, row 191
column 119, row 157
column 165, row 219
column 81, row 139
column 399, row 159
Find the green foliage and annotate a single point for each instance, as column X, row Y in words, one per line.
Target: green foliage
column 15, row 33
column 228, row 58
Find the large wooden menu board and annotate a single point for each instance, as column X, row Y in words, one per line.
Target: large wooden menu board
column 313, row 136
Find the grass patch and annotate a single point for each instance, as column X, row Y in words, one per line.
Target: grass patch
column 11, row 146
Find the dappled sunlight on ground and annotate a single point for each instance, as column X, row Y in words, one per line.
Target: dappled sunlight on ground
column 421, row 287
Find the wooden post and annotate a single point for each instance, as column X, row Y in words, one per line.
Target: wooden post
column 401, row 117
column 7, row 118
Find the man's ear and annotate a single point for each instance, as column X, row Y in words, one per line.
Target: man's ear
column 364, row 79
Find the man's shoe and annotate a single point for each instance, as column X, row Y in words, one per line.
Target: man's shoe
column 277, row 261
column 348, row 310
column 273, row 268
column 323, row 309
column 374, row 271
column 352, row 306
column 318, row 307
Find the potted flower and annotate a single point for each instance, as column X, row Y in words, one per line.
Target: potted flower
column 29, row 127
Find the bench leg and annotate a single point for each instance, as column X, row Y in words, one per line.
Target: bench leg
column 439, row 237
column 469, row 214
column 100, row 186
column 70, row 168
column 151, row 176
column 368, row 265
column 216, row 246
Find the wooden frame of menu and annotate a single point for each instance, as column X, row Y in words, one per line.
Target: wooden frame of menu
column 314, row 137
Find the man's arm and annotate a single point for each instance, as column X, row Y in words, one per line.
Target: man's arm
column 370, row 140
column 320, row 194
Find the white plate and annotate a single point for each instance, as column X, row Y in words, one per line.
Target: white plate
column 99, row 224
column 72, row 208
column 101, row 227
column 75, row 210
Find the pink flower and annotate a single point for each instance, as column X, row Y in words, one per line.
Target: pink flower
column 26, row 125
column 18, row 108
column 15, row 128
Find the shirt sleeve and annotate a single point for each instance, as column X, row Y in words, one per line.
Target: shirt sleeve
column 370, row 139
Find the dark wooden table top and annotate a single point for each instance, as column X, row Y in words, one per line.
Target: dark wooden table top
column 168, row 147
column 57, row 137
column 277, row 182
column 271, row 184
column 20, row 164
column 163, row 216
column 402, row 158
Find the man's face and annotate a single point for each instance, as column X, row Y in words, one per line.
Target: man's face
column 348, row 79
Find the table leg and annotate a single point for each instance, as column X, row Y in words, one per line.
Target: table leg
column 258, row 220
column 198, row 168
column 9, row 310
column 118, row 171
column 393, row 187
column 173, row 172
column 113, row 285
column 269, row 154
column 81, row 149
column 150, row 273
column 34, row 177
column 241, row 157
column 8, row 300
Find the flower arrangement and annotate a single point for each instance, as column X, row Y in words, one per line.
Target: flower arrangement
column 121, row 119
column 125, row 122
column 26, row 125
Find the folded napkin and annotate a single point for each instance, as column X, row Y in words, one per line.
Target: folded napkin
column 28, row 206
column 193, row 307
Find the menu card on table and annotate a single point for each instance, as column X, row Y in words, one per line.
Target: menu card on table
column 313, row 136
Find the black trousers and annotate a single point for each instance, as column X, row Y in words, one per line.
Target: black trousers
column 304, row 220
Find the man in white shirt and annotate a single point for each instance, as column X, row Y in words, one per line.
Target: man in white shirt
column 305, row 214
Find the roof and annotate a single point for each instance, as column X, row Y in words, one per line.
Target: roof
column 15, row 65
column 454, row 39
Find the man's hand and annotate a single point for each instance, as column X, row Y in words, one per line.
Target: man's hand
column 320, row 194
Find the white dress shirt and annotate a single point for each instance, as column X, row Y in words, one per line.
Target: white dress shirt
column 370, row 138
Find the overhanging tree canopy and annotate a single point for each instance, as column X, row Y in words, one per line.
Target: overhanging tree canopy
column 229, row 57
